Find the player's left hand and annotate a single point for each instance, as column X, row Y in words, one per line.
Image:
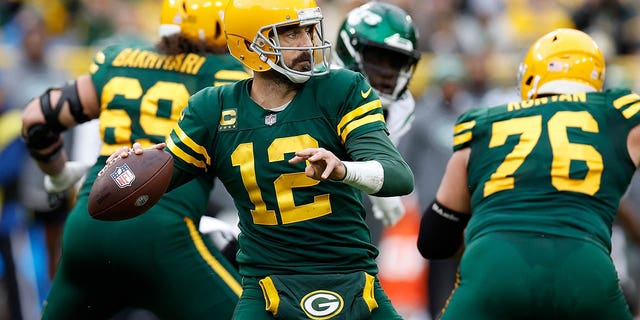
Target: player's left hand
column 323, row 164
column 389, row 210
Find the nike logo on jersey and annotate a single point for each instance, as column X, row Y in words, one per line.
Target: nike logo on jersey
column 365, row 94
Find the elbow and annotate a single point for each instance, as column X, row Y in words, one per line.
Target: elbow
column 409, row 183
column 430, row 249
column 31, row 116
column 406, row 180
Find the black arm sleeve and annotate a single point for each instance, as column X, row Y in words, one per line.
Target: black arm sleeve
column 441, row 229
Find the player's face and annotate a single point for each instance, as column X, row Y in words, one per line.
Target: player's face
column 382, row 67
column 299, row 60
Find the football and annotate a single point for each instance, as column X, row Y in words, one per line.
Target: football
column 127, row 187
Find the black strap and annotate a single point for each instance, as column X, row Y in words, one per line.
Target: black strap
column 70, row 94
column 51, row 114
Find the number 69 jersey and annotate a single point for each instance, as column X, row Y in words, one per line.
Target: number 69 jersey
column 289, row 223
column 533, row 162
column 141, row 94
column 150, row 90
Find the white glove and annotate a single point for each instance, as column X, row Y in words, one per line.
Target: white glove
column 73, row 171
column 218, row 231
column 389, row 210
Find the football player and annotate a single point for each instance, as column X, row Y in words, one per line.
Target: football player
column 158, row 261
column 379, row 40
column 535, row 185
column 295, row 146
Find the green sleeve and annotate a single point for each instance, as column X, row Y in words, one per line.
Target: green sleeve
column 179, row 177
column 375, row 145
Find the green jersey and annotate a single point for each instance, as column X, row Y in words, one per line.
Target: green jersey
column 159, row 256
column 150, row 90
column 141, row 94
column 556, row 165
column 289, row 223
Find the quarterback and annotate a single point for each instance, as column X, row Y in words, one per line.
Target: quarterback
column 295, row 146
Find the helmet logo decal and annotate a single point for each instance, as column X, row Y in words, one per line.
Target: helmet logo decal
column 322, row 304
column 555, row 66
column 399, row 42
column 367, row 16
column 177, row 19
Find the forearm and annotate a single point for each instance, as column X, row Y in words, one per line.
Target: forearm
column 45, row 119
column 397, row 178
column 55, row 165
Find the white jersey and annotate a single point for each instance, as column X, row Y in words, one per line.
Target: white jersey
column 399, row 116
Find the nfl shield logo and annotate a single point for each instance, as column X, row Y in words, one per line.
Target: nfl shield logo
column 270, row 119
column 123, row 176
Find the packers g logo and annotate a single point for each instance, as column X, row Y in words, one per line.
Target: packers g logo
column 322, row 304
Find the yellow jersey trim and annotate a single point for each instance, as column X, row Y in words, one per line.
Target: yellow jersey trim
column 184, row 156
column 359, row 111
column 358, row 123
column 215, row 265
column 270, row 293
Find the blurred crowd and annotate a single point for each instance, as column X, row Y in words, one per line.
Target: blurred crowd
column 470, row 48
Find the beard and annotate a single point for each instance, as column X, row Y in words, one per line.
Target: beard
column 301, row 63
column 303, row 60
column 280, row 79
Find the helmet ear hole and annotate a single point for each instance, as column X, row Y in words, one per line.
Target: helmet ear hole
column 218, row 30
column 528, row 82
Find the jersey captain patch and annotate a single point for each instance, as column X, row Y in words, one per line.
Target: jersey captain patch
column 228, row 120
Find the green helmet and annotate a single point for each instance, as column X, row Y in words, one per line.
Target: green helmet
column 379, row 40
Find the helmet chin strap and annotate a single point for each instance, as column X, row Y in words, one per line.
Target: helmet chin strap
column 295, row 78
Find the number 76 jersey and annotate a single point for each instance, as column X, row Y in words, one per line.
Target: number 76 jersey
column 555, row 165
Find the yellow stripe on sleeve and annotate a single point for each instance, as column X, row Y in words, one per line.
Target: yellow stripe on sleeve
column 462, row 138
column 462, row 132
column 360, row 122
column 215, row 265
column 625, row 100
column 357, row 113
column 192, row 144
column 631, row 111
column 183, row 155
column 463, row 126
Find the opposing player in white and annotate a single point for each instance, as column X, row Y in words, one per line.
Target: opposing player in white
column 379, row 40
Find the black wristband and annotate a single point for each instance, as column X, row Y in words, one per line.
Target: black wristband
column 441, row 231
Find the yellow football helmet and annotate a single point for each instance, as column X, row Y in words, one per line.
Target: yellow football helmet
column 562, row 61
column 252, row 35
column 197, row 19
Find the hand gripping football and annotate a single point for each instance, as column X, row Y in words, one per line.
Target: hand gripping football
column 127, row 187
